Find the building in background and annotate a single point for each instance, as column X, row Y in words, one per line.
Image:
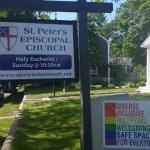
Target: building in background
column 126, row 62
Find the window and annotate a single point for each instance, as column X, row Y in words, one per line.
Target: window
column 94, row 70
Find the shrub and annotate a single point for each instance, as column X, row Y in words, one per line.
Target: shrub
column 139, row 73
column 130, row 85
column 95, row 87
column 118, row 74
column 69, row 86
column 98, row 81
column 110, row 86
column 140, row 84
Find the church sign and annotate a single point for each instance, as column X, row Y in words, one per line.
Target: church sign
column 64, row 60
column 38, row 50
column 126, row 124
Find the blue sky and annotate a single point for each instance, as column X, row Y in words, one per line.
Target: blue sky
column 115, row 6
column 72, row 16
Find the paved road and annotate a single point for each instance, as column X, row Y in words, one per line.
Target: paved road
column 114, row 96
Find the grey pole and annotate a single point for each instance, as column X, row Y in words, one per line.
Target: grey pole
column 86, row 133
column 108, row 55
column 108, row 61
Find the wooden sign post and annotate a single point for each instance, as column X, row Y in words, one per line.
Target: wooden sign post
column 82, row 8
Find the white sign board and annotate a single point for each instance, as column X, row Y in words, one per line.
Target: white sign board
column 37, row 50
column 126, row 124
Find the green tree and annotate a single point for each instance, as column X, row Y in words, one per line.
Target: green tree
column 95, row 28
column 97, row 25
column 118, row 74
column 17, row 14
column 24, row 14
column 3, row 13
column 130, row 28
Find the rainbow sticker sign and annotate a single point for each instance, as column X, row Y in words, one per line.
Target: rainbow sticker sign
column 126, row 124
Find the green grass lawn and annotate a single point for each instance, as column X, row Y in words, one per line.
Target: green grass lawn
column 10, row 106
column 4, row 129
column 140, row 96
column 53, row 125
column 39, row 93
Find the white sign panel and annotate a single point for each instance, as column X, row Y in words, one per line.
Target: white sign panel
column 37, row 50
column 126, row 124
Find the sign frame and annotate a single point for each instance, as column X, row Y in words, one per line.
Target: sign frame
column 112, row 114
column 75, row 48
column 82, row 7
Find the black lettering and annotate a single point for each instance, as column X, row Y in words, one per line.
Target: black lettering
column 28, row 30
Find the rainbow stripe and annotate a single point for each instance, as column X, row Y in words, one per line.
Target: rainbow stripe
column 110, row 123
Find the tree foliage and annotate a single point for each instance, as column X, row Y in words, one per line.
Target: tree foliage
column 17, row 14
column 130, row 28
column 96, row 23
column 24, row 14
